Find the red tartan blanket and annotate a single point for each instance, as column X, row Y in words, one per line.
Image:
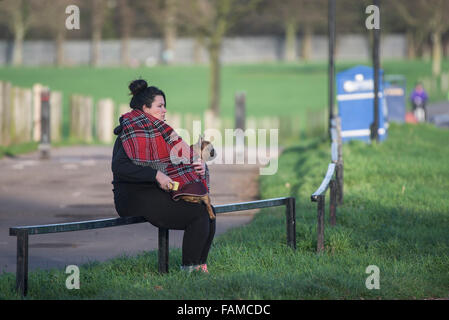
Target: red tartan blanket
column 149, row 141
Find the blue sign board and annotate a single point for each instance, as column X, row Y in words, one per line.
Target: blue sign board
column 355, row 97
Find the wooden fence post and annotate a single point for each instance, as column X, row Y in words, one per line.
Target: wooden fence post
column 87, row 118
column 20, row 118
column 240, row 110
column 174, row 120
column 81, row 118
column 122, row 109
column 105, row 120
column 6, row 118
column 333, row 202
column 74, row 128
column 55, row 116
column 211, row 121
column 320, row 224
column 37, row 88
column 2, row 111
column 44, row 145
column 188, row 126
column 27, row 103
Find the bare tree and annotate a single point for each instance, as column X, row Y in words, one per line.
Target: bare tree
column 51, row 16
column 211, row 20
column 429, row 17
column 126, row 17
column 164, row 13
column 296, row 16
column 18, row 17
column 97, row 10
column 312, row 15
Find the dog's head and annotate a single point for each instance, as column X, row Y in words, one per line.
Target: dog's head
column 204, row 149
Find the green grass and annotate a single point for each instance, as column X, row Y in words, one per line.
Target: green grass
column 395, row 216
column 272, row 89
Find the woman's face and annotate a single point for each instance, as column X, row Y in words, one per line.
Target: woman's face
column 157, row 108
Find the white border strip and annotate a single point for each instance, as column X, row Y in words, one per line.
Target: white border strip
column 357, row 96
column 361, row 133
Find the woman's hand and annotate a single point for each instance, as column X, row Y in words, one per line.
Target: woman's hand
column 163, row 180
column 200, row 167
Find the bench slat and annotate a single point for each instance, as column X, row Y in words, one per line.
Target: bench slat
column 112, row 222
column 250, row 205
column 77, row 226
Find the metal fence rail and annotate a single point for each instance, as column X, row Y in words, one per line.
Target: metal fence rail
column 333, row 181
column 23, row 232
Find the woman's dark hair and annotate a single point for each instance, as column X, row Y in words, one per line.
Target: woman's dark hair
column 143, row 95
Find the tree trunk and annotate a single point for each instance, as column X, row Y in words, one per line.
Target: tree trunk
column 98, row 7
column 60, row 37
column 126, row 21
column 290, row 40
column 95, row 47
column 306, row 51
column 20, row 20
column 214, row 94
column 124, row 51
column 17, row 56
column 411, row 45
column 198, row 47
column 437, row 52
column 214, row 47
column 169, row 31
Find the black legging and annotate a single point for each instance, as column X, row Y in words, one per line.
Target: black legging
column 161, row 211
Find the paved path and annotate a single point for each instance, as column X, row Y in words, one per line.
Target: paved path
column 75, row 185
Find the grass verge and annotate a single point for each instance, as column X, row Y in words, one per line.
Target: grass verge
column 395, row 216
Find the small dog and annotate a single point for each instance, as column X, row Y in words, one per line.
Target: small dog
column 205, row 150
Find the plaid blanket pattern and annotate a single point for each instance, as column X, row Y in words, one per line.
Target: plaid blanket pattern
column 149, row 141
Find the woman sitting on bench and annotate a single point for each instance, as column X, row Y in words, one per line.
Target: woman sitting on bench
column 142, row 163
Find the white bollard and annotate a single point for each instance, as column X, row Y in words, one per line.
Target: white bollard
column 37, row 89
column 55, row 116
column 105, row 120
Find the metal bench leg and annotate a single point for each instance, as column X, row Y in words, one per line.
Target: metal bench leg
column 291, row 223
column 163, row 250
column 22, row 263
column 320, row 225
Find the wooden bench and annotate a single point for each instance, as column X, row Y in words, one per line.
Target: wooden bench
column 23, row 232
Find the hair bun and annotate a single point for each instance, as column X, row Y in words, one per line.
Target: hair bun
column 137, row 86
